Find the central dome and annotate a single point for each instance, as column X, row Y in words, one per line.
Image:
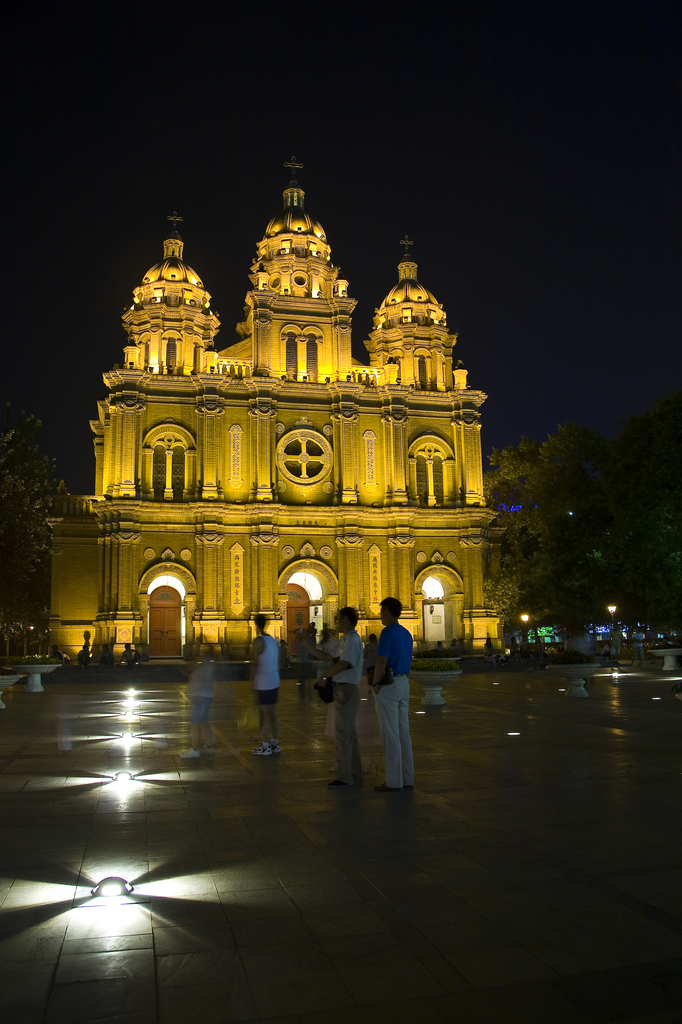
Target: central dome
column 293, row 219
column 172, row 269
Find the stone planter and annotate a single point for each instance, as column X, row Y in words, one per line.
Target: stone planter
column 6, row 681
column 433, row 682
column 669, row 655
column 576, row 676
column 34, row 672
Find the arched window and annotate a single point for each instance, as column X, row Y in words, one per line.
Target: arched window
column 171, row 354
column 292, row 355
column 438, row 479
column 145, row 354
column 422, row 481
column 311, row 356
column 178, row 473
column 421, row 371
column 159, row 472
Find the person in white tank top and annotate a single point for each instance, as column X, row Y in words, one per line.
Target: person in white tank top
column 265, row 684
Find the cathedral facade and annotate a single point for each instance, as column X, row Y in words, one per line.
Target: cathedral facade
column 277, row 475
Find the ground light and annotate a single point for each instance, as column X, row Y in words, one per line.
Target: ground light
column 513, row 734
column 112, row 886
column 122, row 777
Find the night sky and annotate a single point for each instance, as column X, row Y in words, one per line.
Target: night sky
column 532, row 151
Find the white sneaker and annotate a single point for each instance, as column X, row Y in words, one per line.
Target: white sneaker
column 263, row 751
column 191, row 753
column 275, row 748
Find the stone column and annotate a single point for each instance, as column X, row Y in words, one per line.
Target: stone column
column 347, row 452
column 352, row 578
column 263, row 416
column 211, row 412
column 472, row 457
column 209, row 542
column 129, row 410
column 402, row 547
column 265, row 557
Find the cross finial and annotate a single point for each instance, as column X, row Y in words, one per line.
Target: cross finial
column 407, row 243
column 293, row 165
column 175, row 218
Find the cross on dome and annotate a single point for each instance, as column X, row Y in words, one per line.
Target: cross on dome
column 407, row 243
column 175, row 217
column 293, row 165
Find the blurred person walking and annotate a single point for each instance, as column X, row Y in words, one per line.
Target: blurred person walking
column 369, row 657
column 265, row 679
column 395, row 654
column 200, row 693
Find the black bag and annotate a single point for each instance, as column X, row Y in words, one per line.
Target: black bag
column 325, row 691
column 387, row 677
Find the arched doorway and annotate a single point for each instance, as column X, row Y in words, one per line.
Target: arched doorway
column 304, row 605
column 298, row 614
column 165, row 622
column 433, row 609
column 439, row 597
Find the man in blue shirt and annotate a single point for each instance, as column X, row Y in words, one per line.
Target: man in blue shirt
column 395, row 651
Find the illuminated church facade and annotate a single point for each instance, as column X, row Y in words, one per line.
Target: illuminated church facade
column 277, row 475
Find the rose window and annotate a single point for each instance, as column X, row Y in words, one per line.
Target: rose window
column 304, row 457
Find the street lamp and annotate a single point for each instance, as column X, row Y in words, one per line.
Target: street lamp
column 612, row 609
column 524, row 618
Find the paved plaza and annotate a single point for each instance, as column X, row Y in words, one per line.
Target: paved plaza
column 534, row 874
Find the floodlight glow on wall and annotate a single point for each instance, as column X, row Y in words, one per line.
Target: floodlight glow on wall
column 112, row 886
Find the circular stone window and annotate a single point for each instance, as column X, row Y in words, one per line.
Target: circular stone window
column 304, row 457
column 300, row 280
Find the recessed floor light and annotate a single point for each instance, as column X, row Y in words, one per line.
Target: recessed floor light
column 123, row 777
column 420, row 712
column 513, row 734
column 657, row 698
column 112, row 886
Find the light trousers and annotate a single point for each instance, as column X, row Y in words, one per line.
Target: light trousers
column 392, row 709
column 346, row 704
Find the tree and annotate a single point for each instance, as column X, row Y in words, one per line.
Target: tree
column 555, row 549
column 643, row 481
column 25, row 536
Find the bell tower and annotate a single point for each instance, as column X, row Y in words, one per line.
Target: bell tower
column 298, row 313
column 170, row 324
column 410, row 336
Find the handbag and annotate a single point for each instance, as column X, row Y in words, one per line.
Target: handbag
column 250, row 719
column 387, row 677
column 326, row 691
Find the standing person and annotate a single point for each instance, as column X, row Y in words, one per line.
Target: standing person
column 370, row 656
column 637, row 646
column 304, row 657
column 200, row 693
column 616, row 641
column 284, row 659
column 346, row 673
column 395, row 652
column 265, row 683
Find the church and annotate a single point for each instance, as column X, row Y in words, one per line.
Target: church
column 279, row 474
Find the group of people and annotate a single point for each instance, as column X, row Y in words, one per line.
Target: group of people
column 129, row 656
column 341, row 663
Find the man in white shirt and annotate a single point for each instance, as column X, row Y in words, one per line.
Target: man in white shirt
column 264, row 670
column 346, row 674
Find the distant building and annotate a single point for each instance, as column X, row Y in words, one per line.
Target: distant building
column 277, row 475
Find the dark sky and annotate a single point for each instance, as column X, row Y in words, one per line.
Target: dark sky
column 532, row 151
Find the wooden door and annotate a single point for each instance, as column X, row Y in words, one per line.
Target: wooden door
column 165, row 623
column 298, row 615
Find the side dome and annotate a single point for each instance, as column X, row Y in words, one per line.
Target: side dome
column 409, row 301
column 293, row 219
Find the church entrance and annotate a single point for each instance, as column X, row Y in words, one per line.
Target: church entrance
column 165, row 623
column 298, row 615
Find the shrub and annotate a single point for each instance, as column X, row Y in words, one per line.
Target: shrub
column 435, row 665
column 29, row 659
column 573, row 658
